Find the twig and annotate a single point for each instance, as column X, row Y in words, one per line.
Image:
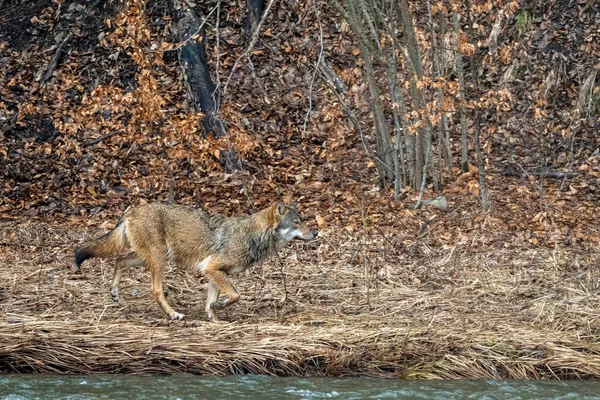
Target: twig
column 352, row 117
column 285, row 292
column 485, row 201
column 520, row 166
column 171, row 199
column 54, row 62
column 422, row 189
column 543, row 173
column 312, row 82
column 99, row 139
column 363, row 246
column 562, row 184
column 255, row 77
column 588, row 4
column 250, row 46
column 218, row 61
column 326, row 70
column 59, row 50
column 100, row 317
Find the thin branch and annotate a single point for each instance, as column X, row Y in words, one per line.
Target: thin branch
column 171, row 199
column 99, row 139
column 424, row 180
column 285, row 290
column 464, row 153
column 485, row 201
column 340, row 9
column 562, row 184
column 218, row 48
column 60, row 48
column 255, row 77
column 326, row 70
column 312, row 82
column 544, row 173
column 355, row 122
column 250, row 46
column 369, row 22
column 54, row 62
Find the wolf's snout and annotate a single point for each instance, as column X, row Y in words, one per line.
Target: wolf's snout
column 311, row 235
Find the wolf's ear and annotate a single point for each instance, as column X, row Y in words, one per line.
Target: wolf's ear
column 280, row 210
column 288, row 199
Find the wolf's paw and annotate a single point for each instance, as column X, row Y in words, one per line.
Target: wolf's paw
column 114, row 294
column 215, row 305
column 177, row 316
column 214, row 319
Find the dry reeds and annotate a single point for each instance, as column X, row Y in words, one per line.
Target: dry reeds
column 428, row 313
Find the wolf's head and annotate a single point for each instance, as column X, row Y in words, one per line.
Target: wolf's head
column 288, row 224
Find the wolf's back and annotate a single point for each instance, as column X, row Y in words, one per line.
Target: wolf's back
column 107, row 245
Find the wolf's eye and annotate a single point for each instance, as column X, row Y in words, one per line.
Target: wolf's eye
column 296, row 221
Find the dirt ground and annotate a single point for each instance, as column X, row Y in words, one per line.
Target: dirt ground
column 421, row 313
column 386, row 290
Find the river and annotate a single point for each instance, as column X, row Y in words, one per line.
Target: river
column 17, row 387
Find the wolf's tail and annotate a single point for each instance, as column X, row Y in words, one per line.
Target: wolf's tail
column 110, row 244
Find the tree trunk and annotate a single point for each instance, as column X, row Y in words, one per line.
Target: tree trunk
column 485, row 202
column 412, row 45
column 384, row 148
column 382, row 135
column 255, row 11
column 192, row 57
column 201, row 89
column 472, row 40
column 445, row 150
column 412, row 55
column 398, row 103
column 464, row 159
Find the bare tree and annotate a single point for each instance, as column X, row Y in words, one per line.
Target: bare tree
column 446, row 152
column 189, row 30
column 411, row 81
column 369, row 49
column 464, row 144
column 485, row 202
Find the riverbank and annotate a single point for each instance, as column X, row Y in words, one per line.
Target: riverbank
column 353, row 307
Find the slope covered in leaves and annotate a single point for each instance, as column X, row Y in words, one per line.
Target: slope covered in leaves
column 112, row 122
column 387, row 290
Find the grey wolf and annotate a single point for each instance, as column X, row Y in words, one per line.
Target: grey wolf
column 216, row 245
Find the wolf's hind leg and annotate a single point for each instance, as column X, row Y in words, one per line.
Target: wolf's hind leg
column 156, row 267
column 211, row 297
column 130, row 260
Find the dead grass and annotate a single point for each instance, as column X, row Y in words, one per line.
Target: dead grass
column 354, row 306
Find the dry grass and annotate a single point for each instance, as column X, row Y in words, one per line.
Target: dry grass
column 354, row 306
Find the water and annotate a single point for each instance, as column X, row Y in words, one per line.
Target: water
column 17, row 387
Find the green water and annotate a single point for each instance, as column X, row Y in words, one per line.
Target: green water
column 16, row 387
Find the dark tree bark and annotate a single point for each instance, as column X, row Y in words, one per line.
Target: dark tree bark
column 202, row 91
column 192, row 56
column 255, row 11
column 485, row 200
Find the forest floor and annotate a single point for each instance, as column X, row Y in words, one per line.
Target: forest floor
column 386, row 289
column 424, row 312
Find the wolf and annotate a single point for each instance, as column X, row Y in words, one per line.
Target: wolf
column 215, row 245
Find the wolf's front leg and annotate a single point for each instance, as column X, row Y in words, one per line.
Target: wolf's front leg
column 219, row 280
